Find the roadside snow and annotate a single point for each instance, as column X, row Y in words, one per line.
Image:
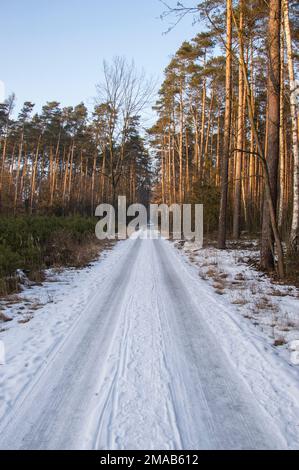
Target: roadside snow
column 271, row 307
column 2, row 354
column 246, row 331
column 41, row 317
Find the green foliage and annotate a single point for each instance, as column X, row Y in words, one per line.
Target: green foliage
column 209, row 196
column 34, row 243
column 9, row 261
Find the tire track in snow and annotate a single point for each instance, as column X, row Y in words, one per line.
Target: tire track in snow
column 57, row 409
column 238, row 421
column 195, row 423
column 140, row 412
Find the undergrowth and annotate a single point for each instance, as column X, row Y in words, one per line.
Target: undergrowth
column 32, row 244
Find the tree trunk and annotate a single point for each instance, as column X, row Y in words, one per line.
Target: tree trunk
column 273, row 118
column 18, row 173
column 2, row 169
column 66, row 171
column 282, row 205
column 187, row 163
column 240, row 137
column 217, row 179
column 264, row 164
column 294, row 237
column 103, row 182
column 202, row 130
column 205, row 155
column 181, row 144
column 226, row 139
column 94, row 169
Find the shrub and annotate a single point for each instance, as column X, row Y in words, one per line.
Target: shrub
column 33, row 243
column 10, row 261
column 209, row 196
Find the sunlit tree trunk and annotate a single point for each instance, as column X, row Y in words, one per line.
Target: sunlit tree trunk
column 205, row 154
column 181, row 144
column 227, row 125
column 240, row 137
column 187, row 162
column 218, row 151
column 18, row 173
column 66, row 172
column 103, row 181
column 93, row 176
column 260, row 154
column 2, row 168
column 170, row 192
column 11, row 171
column 282, row 205
column 273, row 119
column 202, row 130
column 54, row 172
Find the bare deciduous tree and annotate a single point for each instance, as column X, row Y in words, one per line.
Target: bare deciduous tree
column 294, row 237
column 126, row 92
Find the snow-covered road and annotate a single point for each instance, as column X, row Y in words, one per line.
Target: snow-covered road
column 143, row 369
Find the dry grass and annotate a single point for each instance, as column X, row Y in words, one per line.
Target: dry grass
column 36, row 306
column 279, row 342
column 263, row 303
column 4, row 318
column 8, row 285
column 283, row 328
column 253, row 297
column 222, row 275
column 14, row 299
column 219, row 292
column 240, row 277
column 37, row 277
column 67, row 253
column 278, row 293
column 219, row 286
column 240, row 301
column 255, row 288
column 211, row 272
column 25, row 320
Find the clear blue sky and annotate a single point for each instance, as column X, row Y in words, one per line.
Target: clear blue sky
column 53, row 49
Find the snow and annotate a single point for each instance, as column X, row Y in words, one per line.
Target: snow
column 294, row 348
column 245, row 334
column 295, row 358
column 2, row 354
column 294, row 345
column 271, row 307
column 139, row 352
column 42, row 317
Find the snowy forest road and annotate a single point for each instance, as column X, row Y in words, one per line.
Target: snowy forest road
column 141, row 369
